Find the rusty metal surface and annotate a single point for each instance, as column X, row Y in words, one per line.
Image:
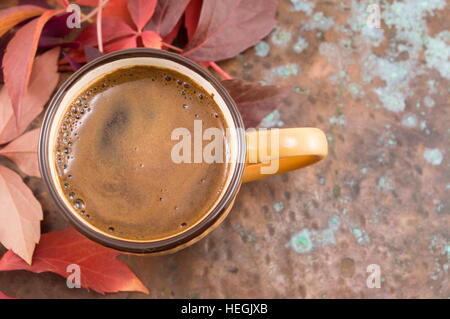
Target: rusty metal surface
column 381, row 197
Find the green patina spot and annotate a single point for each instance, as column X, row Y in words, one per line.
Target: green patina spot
column 338, row 120
column 361, row 237
column 281, row 37
column 300, row 45
column 262, row 49
column 278, row 207
column 272, row 120
column 409, row 120
column 303, row 5
column 428, row 101
column 305, row 240
column 433, row 156
column 283, row 71
column 301, row 242
column 385, row 183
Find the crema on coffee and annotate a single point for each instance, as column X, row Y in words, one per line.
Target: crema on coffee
column 113, row 154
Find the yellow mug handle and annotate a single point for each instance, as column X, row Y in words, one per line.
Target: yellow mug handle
column 297, row 148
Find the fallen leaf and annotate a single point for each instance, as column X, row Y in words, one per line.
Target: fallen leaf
column 3, row 296
column 14, row 15
column 141, row 11
column 191, row 16
column 99, row 267
column 19, row 57
column 151, row 39
column 23, row 152
column 43, row 81
column 112, row 29
column 228, row 27
column 167, row 15
column 254, row 100
column 21, row 215
column 125, row 43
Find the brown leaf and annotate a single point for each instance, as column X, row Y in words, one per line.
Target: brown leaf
column 151, row 39
column 14, row 15
column 141, row 11
column 20, row 215
column 254, row 100
column 166, row 16
column 228, row 27
column 19, row 57
column 43, row 81
column 100, row 269
column 23, row 152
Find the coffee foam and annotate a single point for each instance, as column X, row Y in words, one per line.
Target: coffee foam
column 94, row 75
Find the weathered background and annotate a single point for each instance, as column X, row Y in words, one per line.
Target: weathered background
column 381, row 197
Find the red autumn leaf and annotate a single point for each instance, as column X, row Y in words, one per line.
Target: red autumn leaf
column 43, row 80
column 172, row 34
column 14, row 15
column 118, row 9
column 125, row 43
column 191, row 17
column 99, row 268
column 113, row 9
column 3, row 296
column 151, row 39
column 20, row 215
column 112, row 29
column 18, row 60
column 166, row 16
column 226, row 28
column 23, row 152
column 254, row 100
column 141, row 11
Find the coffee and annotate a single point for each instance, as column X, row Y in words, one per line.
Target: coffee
column 113, row 154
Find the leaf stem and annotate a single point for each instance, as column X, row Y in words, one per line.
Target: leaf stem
column 99, row 26
column 219, row 70
column 172, row 47
column 212, row 64
column 94, row 11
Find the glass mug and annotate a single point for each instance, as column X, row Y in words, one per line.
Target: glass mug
column 298, row 147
